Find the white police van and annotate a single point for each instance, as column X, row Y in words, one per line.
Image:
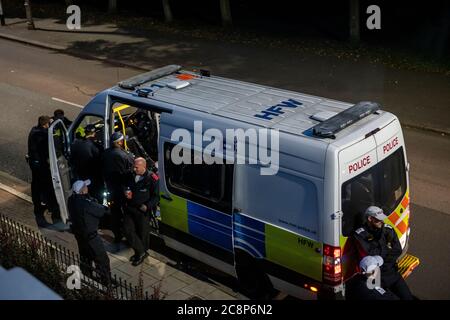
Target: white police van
column 289, row 230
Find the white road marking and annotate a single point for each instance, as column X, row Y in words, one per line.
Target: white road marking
column 67, row 102
column 18, row 194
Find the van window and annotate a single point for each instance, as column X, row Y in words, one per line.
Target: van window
column 383, row 185
column 60, row 140
column 209, row 185
column 141, row 129
column 93, row 120
column 285, row 200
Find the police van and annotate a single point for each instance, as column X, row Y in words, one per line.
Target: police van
column 290, row 230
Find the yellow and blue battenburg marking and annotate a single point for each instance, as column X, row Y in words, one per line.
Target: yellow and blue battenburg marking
column 277, row 246
column 209, row 225
column 249, row 235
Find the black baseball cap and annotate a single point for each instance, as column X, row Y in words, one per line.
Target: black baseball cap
column 89, row 128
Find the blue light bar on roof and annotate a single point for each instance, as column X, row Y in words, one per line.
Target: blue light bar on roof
column 329, row 127
column 140, row 79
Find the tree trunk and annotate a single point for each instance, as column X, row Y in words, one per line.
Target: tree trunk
column 167, row 11
column 30, row 22
column 226, row 13
column 112, row 6
column 2, row 16
column 354, row 21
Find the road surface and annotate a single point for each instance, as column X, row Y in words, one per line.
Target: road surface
column 36, row 81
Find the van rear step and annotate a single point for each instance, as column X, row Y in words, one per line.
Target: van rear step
column 407, row 264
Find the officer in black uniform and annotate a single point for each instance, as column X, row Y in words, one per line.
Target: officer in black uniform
column 141, row 201
column 375, row 238
column 42, row 192
column 85, row 213
column 85, row 159
column 364, row 286
column 146, row 130
column 58, row 114
column 118, row 175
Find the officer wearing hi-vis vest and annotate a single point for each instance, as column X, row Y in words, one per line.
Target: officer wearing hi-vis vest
column 375, row 238
column 85, row 213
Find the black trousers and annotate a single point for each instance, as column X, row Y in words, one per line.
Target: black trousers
column 357, row 289
column 137, row 229
column 100, row 257
column 36, row 192
column 86, row 256
column 397, row 285
column 42, row 191
column 91, row 250
column 117, row 207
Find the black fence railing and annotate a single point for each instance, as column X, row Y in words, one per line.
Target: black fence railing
column 55, row 266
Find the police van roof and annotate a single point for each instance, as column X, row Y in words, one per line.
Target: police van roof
column 260, row 105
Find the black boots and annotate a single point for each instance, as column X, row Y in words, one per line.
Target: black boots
column 137, row 260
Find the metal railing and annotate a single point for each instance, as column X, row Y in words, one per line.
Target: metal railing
column 22, row 247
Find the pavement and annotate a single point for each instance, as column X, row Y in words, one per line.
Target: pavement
column 420, row 99
column 159, row 271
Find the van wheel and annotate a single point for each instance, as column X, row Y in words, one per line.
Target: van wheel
column 253, row 281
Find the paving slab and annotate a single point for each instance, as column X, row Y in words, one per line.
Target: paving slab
column 170, row 285
column 199, row 288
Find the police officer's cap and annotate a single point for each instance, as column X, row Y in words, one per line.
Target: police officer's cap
column 370, row 263
column 116, row 137
column 376, row 212
column 79, row 185
column 90, row 128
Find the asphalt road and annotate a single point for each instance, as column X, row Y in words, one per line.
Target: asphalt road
column 32, row 77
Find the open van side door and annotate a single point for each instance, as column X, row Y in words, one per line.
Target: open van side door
column 58, row 145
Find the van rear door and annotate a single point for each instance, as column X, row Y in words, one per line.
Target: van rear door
column 354, row 190
column 373, row 172
column 392, row 153
column 58, row 145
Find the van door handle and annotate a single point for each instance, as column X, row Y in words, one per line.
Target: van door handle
column 166, row 197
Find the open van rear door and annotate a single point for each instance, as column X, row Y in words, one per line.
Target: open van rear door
column 58, row 145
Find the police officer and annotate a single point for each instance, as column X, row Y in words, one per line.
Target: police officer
column 146, row 131
column 142, row 199
column 118, row 176
column 375, row 238
column 364, row 286
column 42, row 193
column 85, row 213
column 85, row 158
column 58, row 114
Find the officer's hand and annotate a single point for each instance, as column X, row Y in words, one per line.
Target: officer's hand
column 143, row 208
column 35, row 164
